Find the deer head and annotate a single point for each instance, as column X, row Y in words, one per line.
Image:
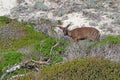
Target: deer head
column 65, row 29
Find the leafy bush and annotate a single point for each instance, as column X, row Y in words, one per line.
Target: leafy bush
column 85, row 69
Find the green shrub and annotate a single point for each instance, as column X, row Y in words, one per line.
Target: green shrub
column 42, row 44
column 113, row 39
column 3, row 20
column 48, row 49
column 85, row 69
column 29, row 76
column 20, row 71
column 108, row 40
column 30, row 37
column 59, row 22
column 10, row 59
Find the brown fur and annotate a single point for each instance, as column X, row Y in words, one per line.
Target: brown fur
column 82, row 33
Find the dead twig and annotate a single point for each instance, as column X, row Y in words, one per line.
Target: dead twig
column 30, row 64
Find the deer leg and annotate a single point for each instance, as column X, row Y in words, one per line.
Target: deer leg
column 95, row 39
column 98, row 38
column 90, row 39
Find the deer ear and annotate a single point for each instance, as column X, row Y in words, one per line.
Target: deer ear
column 68, row 25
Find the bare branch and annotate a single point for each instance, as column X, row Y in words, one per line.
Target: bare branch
column 53, row 47
column 40, row 62
column 30, row 64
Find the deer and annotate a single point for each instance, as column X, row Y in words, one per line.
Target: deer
column 90, row 33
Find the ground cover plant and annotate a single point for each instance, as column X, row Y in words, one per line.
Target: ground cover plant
column 84, row 69
column 16, row 35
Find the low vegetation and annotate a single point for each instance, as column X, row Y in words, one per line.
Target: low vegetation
column 16, row 35
column 84, row 69
column 20, row 35
column 50, row 49
column 3, row 20
column 110, row 39
column 9, row 59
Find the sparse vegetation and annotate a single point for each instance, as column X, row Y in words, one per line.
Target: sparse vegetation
column 108, row 47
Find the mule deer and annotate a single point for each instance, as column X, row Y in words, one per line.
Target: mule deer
column 82, row 33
